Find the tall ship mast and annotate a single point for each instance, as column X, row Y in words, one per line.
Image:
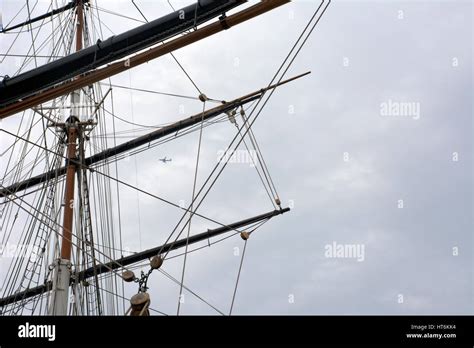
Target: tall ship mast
column 62, row 201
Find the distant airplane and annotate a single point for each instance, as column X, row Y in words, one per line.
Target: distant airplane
column 164, row 160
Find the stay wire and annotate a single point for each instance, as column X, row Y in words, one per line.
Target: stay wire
column 172, row 55
column 192, row 198
column 238, row 277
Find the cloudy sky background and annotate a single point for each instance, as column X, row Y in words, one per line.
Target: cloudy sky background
column 341, row 164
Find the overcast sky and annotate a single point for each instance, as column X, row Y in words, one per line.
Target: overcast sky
column 373, row 151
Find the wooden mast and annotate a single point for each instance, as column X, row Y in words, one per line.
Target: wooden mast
column 72, row 132
column 62, row 276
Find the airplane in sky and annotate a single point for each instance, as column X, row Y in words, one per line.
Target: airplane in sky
column 165, row 160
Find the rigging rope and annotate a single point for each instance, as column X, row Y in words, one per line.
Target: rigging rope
column 115, row 13
column 192, row 292
column 238, row 277
column 117, row 190
column 270, row 194
column 198, row 154
column 261, row 160
column 171, row 53
column 136, row 167
column 153, row 92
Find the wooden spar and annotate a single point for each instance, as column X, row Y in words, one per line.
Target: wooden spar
column 134, row 258
column 147, row 138
column 128, row 260
column 68, row 6
column 31, row 82
column 141, row 58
